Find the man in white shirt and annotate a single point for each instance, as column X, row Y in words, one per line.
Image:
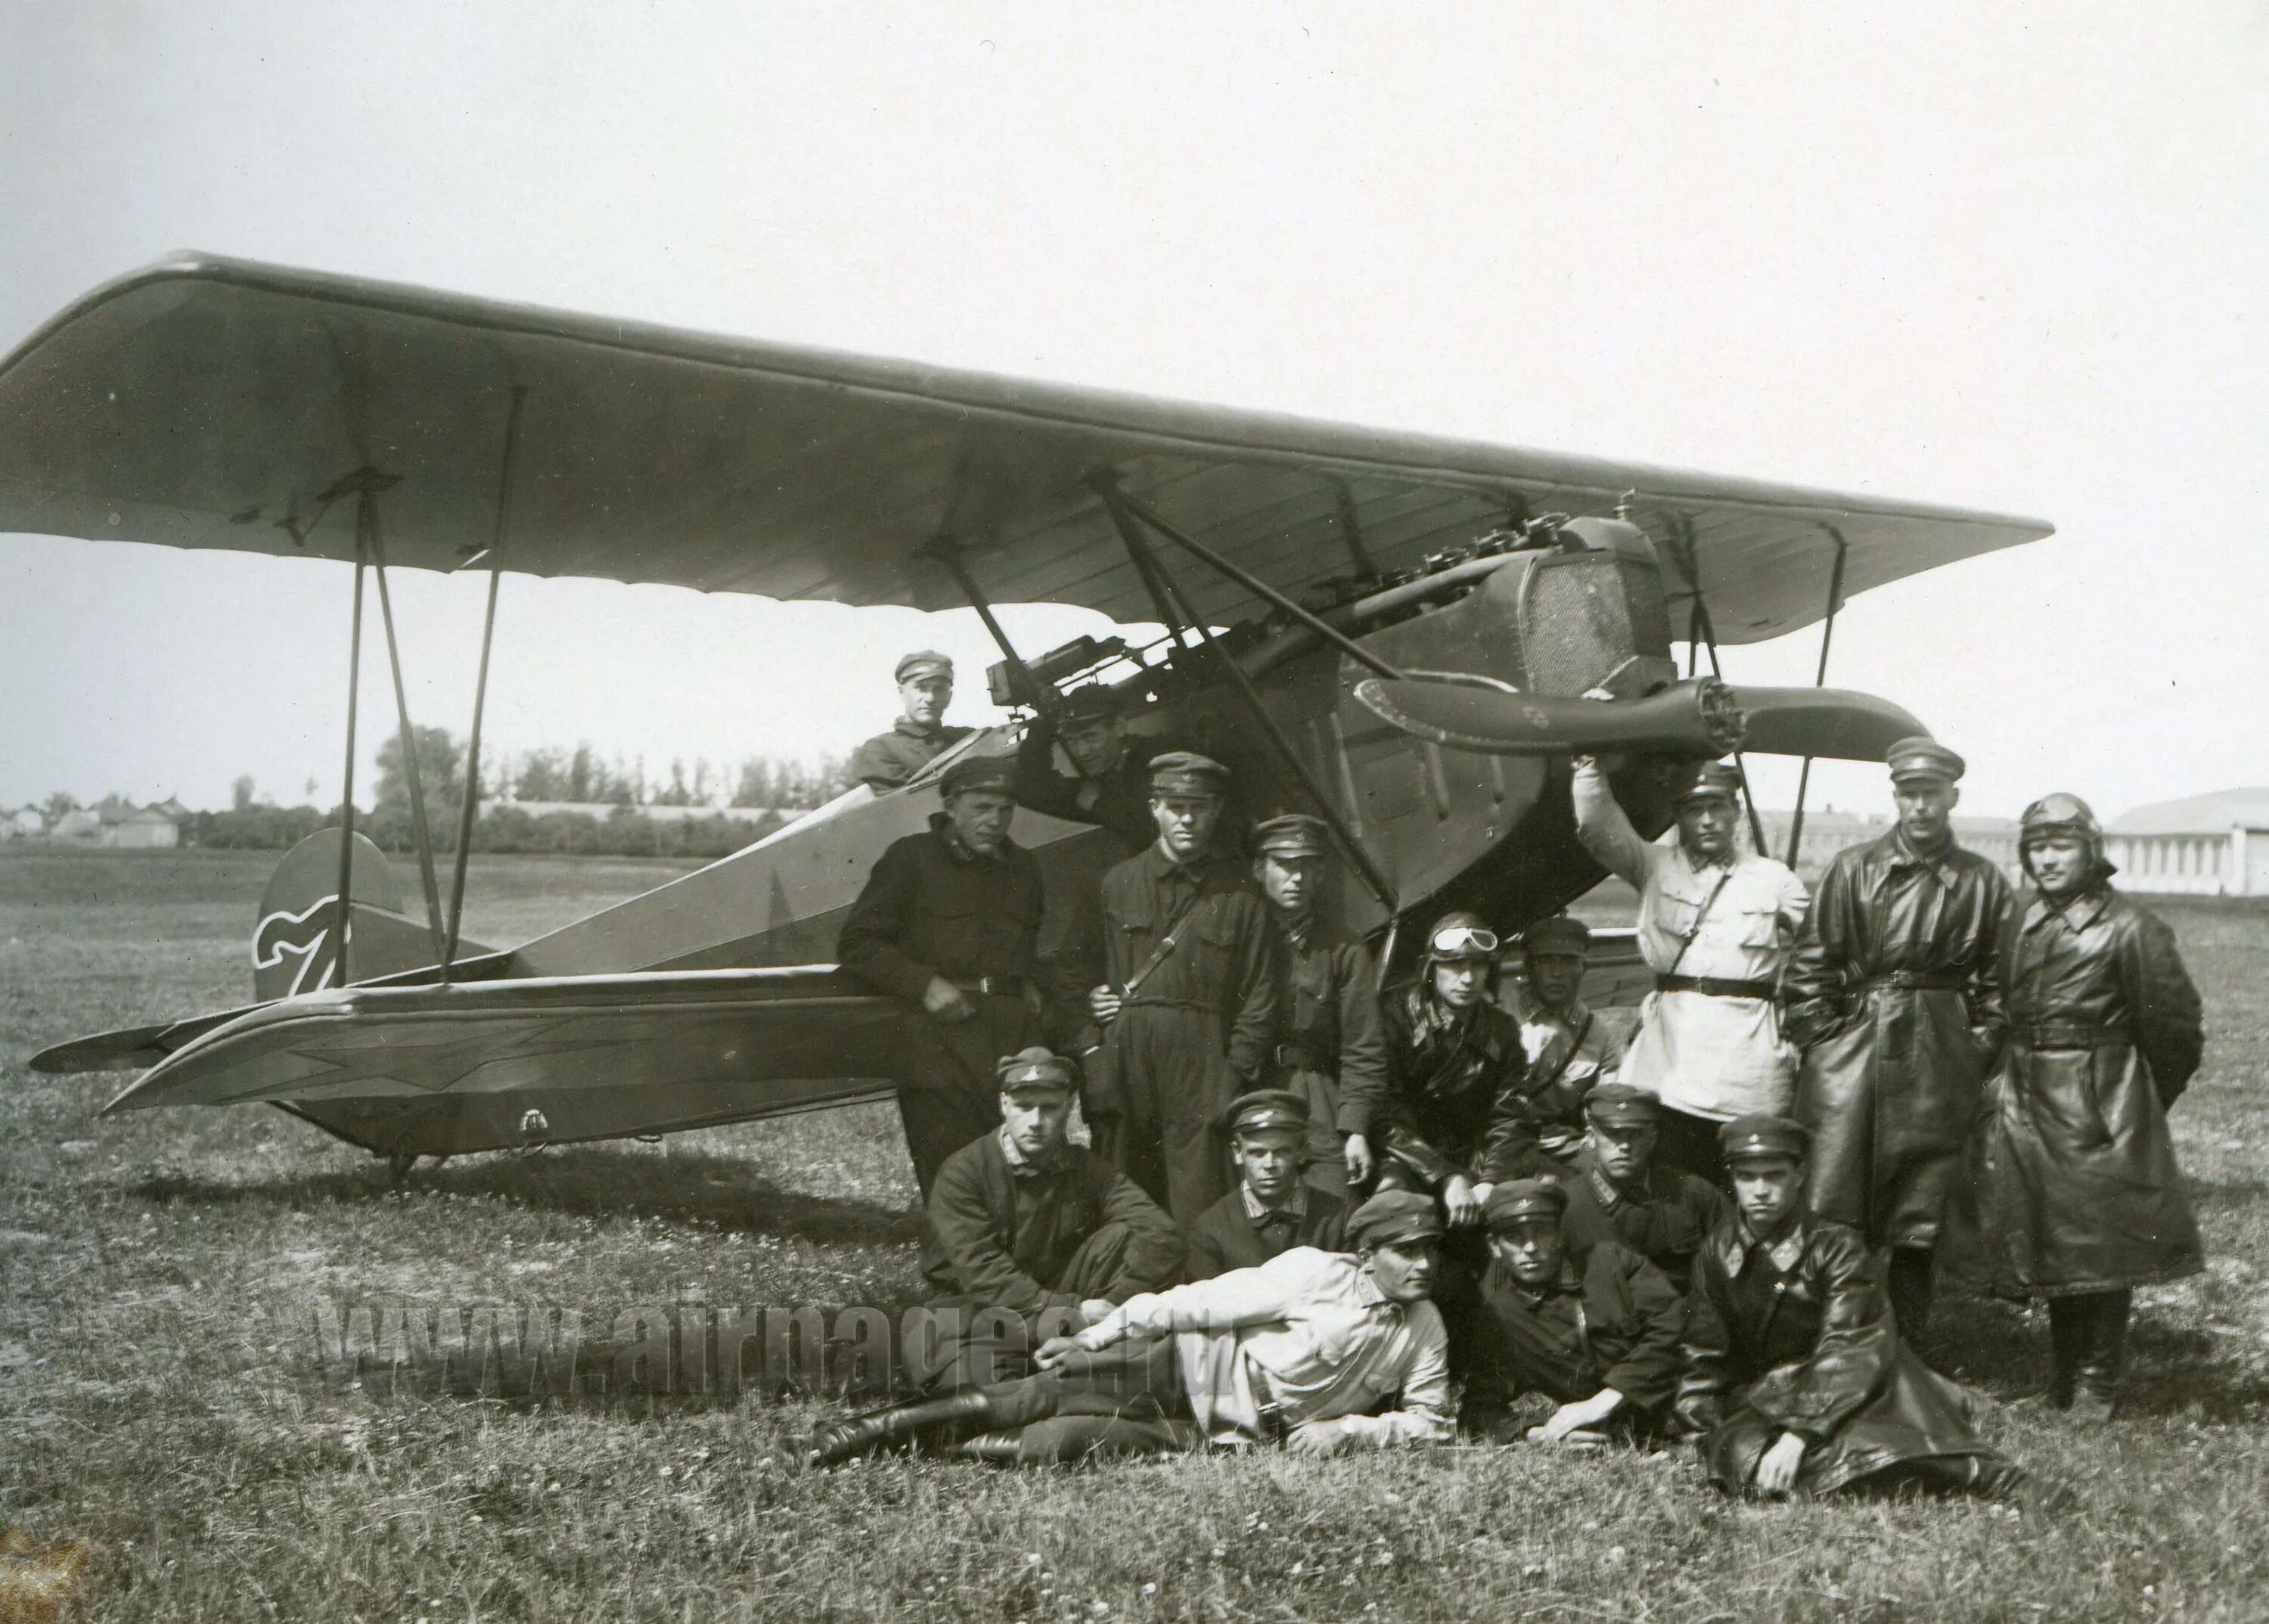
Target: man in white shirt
column 1297, row 1351
column 1717, row 926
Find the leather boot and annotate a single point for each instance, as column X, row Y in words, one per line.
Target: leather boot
column 938, row 1420
column 1909, row 1282
column 2069, row 1321
column 2097, row 1400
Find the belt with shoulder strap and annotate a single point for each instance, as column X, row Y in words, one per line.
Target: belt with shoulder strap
column 2072, row 1035
column 993, row 986
column 1917, row 980
column 1714, row 986
column 1298, row 1057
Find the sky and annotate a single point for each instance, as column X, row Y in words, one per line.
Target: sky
column 2011, row 257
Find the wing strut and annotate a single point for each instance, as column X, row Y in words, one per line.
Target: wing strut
column 340, row 918
column 1819, row 680
column 947, row 551
column 1123, row 510
column 1253, row 584
column 469, row 806
column 367, row 484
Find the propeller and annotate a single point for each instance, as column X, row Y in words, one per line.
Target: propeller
column 1702, row 717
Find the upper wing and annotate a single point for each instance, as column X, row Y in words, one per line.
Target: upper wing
column 206, row 402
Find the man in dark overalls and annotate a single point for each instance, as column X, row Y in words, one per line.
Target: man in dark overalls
column 1186, row 1006
column 949, row 923
column 1331, row 1046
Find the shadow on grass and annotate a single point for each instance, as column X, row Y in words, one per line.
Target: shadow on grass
column 718, row 1192
column 1995, row 1346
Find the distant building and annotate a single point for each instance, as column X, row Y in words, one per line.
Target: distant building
column 141, row 828
column 120, row 825
column 2214, row 845
column 22, row 823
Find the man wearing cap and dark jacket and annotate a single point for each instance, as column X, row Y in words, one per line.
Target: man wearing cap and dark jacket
column 1309, row 1350
column 2082, row 1201
column 1569, row 1048
column 1030, row 1222
column 1717, row 924
column 1894, row 995
column 1181, row 965
column 890, row 760
column 1331, row 1042
column 1794, row 1375
column 1273, row 1209
column 1592, row 1328
column 1113, row 786
column 949, row 925
column 1617, row 1190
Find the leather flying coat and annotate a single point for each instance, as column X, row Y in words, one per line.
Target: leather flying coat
column 1795, row 1334
column 1895, row 995
column 1454, row 1103
column 2080, row 1189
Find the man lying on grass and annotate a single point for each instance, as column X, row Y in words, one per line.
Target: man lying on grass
column 1295, row 1352
column 1795, row 1377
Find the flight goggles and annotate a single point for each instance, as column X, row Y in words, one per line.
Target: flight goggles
column 1463, row 941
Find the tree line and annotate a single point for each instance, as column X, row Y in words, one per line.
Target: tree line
column 782, row 789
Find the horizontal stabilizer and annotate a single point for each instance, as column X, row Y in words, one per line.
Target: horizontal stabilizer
column 130, row 1049
column 707, row 1044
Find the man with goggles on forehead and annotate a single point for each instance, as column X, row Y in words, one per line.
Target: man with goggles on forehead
column 1717, row 926
column 1452, row 1121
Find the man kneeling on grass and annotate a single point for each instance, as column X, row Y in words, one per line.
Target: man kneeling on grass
column 1297, row 1351
column 1794, row 1374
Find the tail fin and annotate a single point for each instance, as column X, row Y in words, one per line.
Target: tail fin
column 293, row 946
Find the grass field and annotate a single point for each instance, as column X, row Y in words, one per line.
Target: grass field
column 157, row 1402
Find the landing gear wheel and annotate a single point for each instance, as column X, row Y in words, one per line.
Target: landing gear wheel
column 399, row 1163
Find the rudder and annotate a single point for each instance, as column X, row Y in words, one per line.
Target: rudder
column 292, row 951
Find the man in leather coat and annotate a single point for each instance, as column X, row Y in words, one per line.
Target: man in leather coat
column 2081, row 1199
column 1894, row 996
column 1794, row 1375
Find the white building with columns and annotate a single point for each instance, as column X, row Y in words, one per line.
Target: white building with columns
column 2210, row 846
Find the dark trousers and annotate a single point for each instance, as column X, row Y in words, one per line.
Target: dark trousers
column 1159, row 1117
column 948, row 1092
column 1690, row 1144
column 996, row 1348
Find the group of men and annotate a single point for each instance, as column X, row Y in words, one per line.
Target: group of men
column 1311, row 1211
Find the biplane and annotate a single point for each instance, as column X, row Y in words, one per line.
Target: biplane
column 1395, row 632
